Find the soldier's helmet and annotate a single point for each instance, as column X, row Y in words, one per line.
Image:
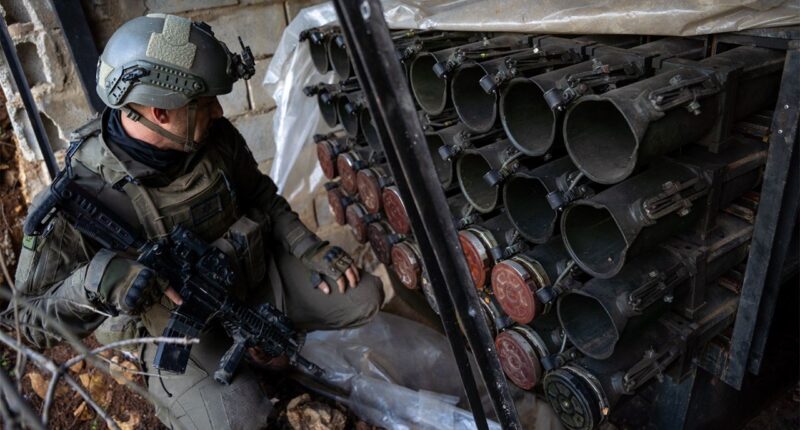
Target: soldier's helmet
column 166, row 61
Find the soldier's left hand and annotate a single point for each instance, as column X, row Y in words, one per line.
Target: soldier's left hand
column 352, row 275
column 332, row 263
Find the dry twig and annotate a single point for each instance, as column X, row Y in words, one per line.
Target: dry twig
column 10, row 393
column 96, row 361
column 20, row 360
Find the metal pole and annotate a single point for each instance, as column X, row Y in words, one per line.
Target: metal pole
column 24, row 89
column 390, row 102
column 773, row 227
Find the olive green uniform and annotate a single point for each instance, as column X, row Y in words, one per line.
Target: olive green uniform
column 210, row 191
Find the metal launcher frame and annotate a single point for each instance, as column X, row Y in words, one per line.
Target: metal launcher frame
column 379, row 71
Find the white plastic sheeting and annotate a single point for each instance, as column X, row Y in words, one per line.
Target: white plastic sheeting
column 371, row 364
column 669, row 18
column 297, row 116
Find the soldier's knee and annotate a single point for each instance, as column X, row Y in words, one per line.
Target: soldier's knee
column 368, row 299
column 195, row 401
column 208, row 405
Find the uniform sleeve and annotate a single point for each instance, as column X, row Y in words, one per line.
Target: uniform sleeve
column 256, row 190
column 51, row 278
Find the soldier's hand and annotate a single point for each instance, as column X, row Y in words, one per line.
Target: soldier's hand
column 332, row 263
column 265, row 361
column 130, row 287
column 144, row 291
column 351, row 277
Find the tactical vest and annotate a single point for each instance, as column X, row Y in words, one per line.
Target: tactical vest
column 200, row 197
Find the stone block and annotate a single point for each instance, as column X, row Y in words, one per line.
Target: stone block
column 295, row 6
column 177, row 6
column 249, row 2
column 106, row 16
column 67, row 109
column 42, row 63
column 322, row 210
column 305, row 211
column 259, row 26
column 260, row 99
column 341, row 236
column 39, row 12
column 257, row 131
column 14, row 12
column 235, row 103
column 265, row 166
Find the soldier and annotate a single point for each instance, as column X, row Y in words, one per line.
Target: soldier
column 161, row 155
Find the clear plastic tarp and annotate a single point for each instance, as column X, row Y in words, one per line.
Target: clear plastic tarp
column 668, row 18
column 297, row 117
column 368, row 370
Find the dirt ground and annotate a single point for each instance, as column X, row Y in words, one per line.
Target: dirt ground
column 69, row 410
column 781, row 414
column 295, row 408
column 123, row 404
column 12, row 203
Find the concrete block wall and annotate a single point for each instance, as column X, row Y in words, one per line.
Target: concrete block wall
column 49, row 67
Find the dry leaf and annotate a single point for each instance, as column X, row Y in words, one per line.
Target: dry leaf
column 96, row 387
column 38, row 384
column 122, row 372
column 85, row 379
column 303, row 413
column 83, row 413
column 131, row 424
column 77, row 367
column 297, row 401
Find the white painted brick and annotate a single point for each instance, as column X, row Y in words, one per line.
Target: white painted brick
column 176, row 6
column 235, row 103
column 257, row 131
column 295, row 6
column 248, row 2
column 259, row 97
column 260, row 27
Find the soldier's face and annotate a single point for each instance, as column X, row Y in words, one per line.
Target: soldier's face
column 208, row 109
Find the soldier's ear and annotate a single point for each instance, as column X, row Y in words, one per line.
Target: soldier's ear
column 160, row 116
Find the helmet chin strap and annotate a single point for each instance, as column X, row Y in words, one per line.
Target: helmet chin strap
column 188, row 143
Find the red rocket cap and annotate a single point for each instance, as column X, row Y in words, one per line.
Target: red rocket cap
column 518, row 359
column 395, row 210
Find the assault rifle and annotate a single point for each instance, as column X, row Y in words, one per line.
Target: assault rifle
column 201, row 273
